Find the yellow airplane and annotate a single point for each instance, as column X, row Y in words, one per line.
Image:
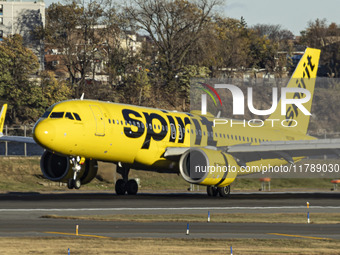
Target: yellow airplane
column 78, row 133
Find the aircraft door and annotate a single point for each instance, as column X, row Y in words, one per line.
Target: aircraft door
column 99, row 118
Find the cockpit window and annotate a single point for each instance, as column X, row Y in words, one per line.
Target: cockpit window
column 69, row 115
column 76, row 115
column 45, row 115
column 56, row 115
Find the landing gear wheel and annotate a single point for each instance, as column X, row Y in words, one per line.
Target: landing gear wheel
column 120, row 187
column 76, row 184
column 132, row 187
column 212, row 191
column 70, row 184
column 224, row 191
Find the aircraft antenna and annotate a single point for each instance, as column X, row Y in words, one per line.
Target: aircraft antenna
column 82, row 96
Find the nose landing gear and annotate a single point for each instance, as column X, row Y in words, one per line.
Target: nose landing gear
column 75, row 183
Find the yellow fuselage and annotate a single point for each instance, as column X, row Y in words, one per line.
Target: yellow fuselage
column 139, row 136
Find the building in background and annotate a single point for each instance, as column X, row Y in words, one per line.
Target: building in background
column 22, row 17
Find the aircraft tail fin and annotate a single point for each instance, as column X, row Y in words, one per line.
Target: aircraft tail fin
column 2, row 118
column 304, row 77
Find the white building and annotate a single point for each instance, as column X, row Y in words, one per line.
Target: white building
column 22, row 17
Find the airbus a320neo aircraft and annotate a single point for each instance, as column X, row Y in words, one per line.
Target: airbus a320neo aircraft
column 78, row 133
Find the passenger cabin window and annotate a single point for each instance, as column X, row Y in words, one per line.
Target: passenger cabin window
column 68, row 115
column 57, row 115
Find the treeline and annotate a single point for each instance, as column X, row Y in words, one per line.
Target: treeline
column 179, row 39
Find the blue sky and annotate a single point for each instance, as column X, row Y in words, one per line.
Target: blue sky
column 293, row 15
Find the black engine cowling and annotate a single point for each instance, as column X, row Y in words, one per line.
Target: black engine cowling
column 59, row 168
column 208, row 167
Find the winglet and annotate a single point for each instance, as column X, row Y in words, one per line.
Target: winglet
column 2, row 118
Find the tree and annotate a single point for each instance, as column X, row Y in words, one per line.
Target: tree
column 17, row 64
column 322, row 36
column 232, row 45
column 74, row 29
column 174, row 27
column 136, row 90
column 274, row 33
column 27, row 93
column 52, row 89
column 315, row 34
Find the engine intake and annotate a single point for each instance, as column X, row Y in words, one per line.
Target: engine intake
column 58, row 168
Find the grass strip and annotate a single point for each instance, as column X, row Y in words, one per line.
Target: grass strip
column 87, row 245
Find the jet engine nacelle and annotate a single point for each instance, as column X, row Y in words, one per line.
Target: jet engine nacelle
column 59, row 168
column 208, row 167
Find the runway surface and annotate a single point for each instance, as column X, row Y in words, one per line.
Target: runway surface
column 21, row 214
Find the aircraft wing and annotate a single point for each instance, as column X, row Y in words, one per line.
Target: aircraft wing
column 276, row 149
column 18, row 139
column 285, row 149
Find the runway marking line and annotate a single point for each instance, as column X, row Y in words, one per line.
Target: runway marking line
column 308, row 237
column 72, row 234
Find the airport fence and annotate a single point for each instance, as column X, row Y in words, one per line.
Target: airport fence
column 19, row 149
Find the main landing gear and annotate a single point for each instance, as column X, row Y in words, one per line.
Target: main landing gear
column 75, row 183
column 125, row 185
column 212, row 191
